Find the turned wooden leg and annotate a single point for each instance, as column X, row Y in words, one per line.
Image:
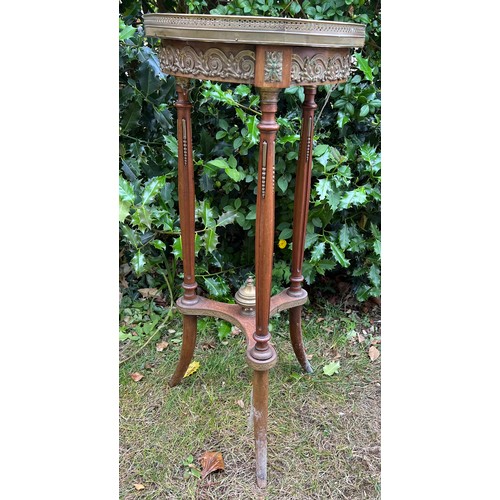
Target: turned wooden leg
column 262, row 356
column 187, row 218
column 300, row 212
column 259, row 410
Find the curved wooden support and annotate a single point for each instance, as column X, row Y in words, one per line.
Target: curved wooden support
column 296, row 338
column 234, row 313
column 187, row 349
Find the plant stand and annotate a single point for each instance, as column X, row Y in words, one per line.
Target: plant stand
column 271, row 54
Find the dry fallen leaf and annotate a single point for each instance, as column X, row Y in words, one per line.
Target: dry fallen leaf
column 192, row 368
column 136, row 376
column 240, row 403
column 147, row 293
column 235, row 331
column 361, row 337
column 373, row 352
column 211, row 461
column 139, row 486
column 160, row 346
column 171, row 330
column 309, row 356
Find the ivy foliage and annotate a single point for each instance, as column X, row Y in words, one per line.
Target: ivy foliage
column 343, row 230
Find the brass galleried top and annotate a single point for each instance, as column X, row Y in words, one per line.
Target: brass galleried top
column 257, row 30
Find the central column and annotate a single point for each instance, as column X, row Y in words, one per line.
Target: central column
column 262, row 356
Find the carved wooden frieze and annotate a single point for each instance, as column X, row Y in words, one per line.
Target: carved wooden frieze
column 320, row 67
column 208, row 63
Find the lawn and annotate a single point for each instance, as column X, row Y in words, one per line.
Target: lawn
column 324, row 430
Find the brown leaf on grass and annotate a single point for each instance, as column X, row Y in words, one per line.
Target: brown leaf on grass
column 374, row 353
column 211, row 461
column 136, row 376
column 139, row 486
column 235, row 331
column 161, row 346
column 160, row 301
column 208, row 345
column 309, row 356
column 240, row 403
column 147, row 293
column 361, row 338
column 319, row 320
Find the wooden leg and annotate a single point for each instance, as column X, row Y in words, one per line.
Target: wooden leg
column 296, row 338
column 259, row 409
column 300, row 212
column 262, row 356
column 187, row 218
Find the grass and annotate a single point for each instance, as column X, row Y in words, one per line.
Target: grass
column 323, row 433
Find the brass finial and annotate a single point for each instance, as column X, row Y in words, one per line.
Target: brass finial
column 245, row 297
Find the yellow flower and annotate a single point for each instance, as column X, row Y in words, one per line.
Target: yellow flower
column 282, row 243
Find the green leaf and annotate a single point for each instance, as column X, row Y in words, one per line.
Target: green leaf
column 253, row 131
column 318, row 251
column 344, row 239
column 333, row 199
column 374, row 275
column 323, row 187
column 354, row 197
column 126, row 190
column 211, row 239
column 338, row 254
column 331, row 368
column 171, row 143
column 177, row 248
column 224, row 330
column 320, row 149
column 219, row 163
column 142, row 218
column 138, row 262
column 130, row 117
column 216, row 287
column 365, row 109
column 126, row 31
column 364, row 66
column 206, row 213
column 152, row 188
column 148, row 82
column 283, row 183
column 124, row 210
column 160, row 245
column 206, row 183
column 286, row 233
column 234, row 174
column 227, row 218
column 376, row 247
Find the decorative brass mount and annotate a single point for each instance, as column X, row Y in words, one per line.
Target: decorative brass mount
column 245, row 297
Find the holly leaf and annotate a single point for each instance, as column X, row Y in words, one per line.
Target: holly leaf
column 331, row 368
